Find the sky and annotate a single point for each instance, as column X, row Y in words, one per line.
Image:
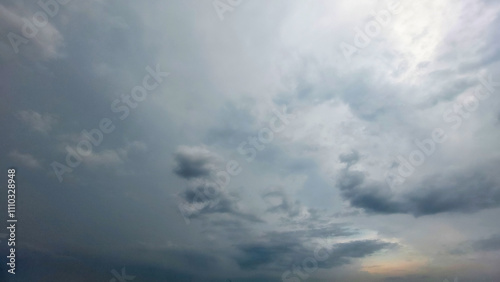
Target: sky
column 236, row 140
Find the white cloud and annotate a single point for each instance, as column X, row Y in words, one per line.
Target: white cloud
column 39, row 122
column 45, row 44
column 25, row 159
column 103, row 158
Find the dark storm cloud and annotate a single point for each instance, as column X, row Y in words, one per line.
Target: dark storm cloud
column 278, row 250
column 192, row 162
column 217, row 202
column 284, row 253
column 466, row 192
column 372, row 198
column 343, row 253
column 207, row 198
column 266, row 254
column 203, row 194
column 82, row 267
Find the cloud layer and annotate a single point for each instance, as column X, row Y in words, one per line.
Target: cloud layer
column 267, row 140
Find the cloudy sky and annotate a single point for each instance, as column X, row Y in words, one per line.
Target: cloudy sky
column 237, row 140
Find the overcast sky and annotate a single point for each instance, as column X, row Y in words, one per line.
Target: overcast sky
column 252, row 140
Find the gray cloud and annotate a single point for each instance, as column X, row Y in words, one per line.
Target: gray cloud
column 226, row 79
column 465, row 192
column 261, row 254
column 284, row 253
column 40, row 122
column 349, row 158
column 26, row 160
column 208, row 198
column 343, row 253
column 489, row 245
column 284, row 205
column 193, row 162
column 203, row 195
